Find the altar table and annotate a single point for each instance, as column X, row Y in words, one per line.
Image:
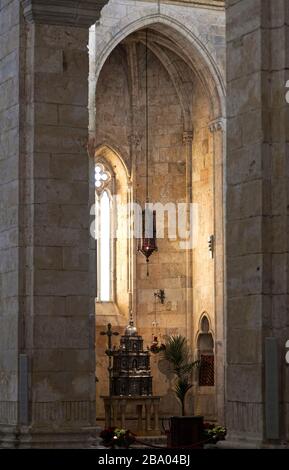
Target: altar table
column 117, row 406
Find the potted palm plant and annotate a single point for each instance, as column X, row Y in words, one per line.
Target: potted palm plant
column 177, row 354
column 184, row 430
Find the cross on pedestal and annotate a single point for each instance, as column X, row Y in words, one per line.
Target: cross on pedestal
column 109, row 333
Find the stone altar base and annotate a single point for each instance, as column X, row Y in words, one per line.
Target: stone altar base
column 146, row 408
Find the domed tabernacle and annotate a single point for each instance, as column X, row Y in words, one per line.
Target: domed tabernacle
column 131, row 374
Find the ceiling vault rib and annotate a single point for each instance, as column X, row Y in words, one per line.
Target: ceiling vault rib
column 163, row 41
column 176, row 80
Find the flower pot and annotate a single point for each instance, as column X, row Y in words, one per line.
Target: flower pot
column 185, row 432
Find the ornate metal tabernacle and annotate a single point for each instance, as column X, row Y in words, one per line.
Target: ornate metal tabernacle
column 131, row 374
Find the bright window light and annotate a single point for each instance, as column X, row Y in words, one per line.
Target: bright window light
column 105, row 248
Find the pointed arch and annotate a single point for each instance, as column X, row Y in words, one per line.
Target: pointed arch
column 118, row 191
column 205, row 350
column 184, row 40
column 205, row 319
column 113, row 156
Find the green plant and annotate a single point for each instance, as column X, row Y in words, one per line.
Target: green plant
column 112, row 437
column 178, row 355
column 214, row 432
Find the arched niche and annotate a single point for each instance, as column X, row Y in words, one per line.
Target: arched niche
column 206, row 356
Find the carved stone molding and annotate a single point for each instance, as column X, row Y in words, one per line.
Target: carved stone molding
column 188, row 137
column 217, row 125
column 78, row 13
column 8, row 412
column 134, row 140
column 91, row 147
column 216, row 4
column 66, row 411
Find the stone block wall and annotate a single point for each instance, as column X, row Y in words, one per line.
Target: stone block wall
column 257, row 216
column 10, row 241
column 59, row 338
column 47, row 360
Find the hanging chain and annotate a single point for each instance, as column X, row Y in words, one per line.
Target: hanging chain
column 147, row 122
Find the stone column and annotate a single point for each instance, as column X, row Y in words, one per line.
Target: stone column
column 257, row 220
column 135, row 143
column 217, row 128
column 135, row 155
column 10, row 29
column 53, row 398
column 188, row 143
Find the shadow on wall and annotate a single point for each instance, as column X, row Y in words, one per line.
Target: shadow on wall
column 170, row 406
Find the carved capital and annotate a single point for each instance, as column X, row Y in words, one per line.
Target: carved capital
column 134, row 140
column 188, row 137
column 217, row 125
column 78, row 13
column 91, row 147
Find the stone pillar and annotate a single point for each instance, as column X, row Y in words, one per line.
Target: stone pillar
column 9, row 212
column 217, row 128
column 135, row 144
column 188, row 143
column 257, row 216
column 49, row 399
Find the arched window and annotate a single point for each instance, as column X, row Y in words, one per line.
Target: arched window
column 104, row 223
column 113, row 251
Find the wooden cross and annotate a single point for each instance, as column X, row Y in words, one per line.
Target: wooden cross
column 109, row 333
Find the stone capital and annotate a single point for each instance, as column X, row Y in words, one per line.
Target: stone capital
column 78, row 13
column 188, row 137
column 134, row 139
column 91, row 147
column 217, row 125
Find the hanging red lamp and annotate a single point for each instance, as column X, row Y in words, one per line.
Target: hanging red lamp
column 148, row 242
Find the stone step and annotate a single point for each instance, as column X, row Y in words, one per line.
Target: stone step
column 159, row 441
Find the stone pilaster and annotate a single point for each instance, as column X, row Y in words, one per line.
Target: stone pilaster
column 55, row 382
column 217, row 129
column 188, row 137
column 257, row 218
column 10, row 30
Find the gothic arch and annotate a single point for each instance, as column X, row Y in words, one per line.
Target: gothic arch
column 206, row 351
column 205, row 317
column 202, row 61
column 113, row 156
column 171, row 36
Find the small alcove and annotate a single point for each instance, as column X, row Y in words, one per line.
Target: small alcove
column 205, row 344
